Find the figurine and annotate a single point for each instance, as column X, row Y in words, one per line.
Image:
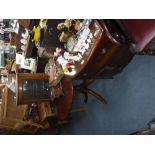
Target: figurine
column 68, row 24
column 23, row 41
column 36, row 31
column 58, row 52
column 26, row 34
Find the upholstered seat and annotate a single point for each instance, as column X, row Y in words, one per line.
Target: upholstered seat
column 140, row 31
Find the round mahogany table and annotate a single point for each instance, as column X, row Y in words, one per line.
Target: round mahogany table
column 63, row 104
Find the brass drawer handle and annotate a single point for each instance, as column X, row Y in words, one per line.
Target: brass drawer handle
column 107, row 68
column 103, row 51
column 85, row 74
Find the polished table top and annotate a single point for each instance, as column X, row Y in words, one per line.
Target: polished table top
column 96, row 30
column 64, row 103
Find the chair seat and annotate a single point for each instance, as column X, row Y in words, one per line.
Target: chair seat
column 140, row 31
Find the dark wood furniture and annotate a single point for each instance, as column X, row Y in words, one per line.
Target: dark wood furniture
column 106, row 57
column 32, row 88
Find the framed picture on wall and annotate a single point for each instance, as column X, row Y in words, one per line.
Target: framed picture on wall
column 25, row 63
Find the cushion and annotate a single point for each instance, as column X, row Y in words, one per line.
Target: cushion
column 141, row 31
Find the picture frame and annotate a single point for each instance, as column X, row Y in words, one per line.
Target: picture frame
column 25, row 63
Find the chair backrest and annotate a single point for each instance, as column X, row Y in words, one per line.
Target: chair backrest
column 140, row 31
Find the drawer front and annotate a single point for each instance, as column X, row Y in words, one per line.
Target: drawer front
column 109, row 58
column 108, row 72
column 101, row 56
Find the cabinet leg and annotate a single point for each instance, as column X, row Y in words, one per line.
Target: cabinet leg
column 83, row 88
column 93, row 93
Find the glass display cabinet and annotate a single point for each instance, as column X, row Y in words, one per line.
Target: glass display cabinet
column 32, row 88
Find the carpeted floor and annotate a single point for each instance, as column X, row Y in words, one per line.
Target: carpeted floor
column 131, row 102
